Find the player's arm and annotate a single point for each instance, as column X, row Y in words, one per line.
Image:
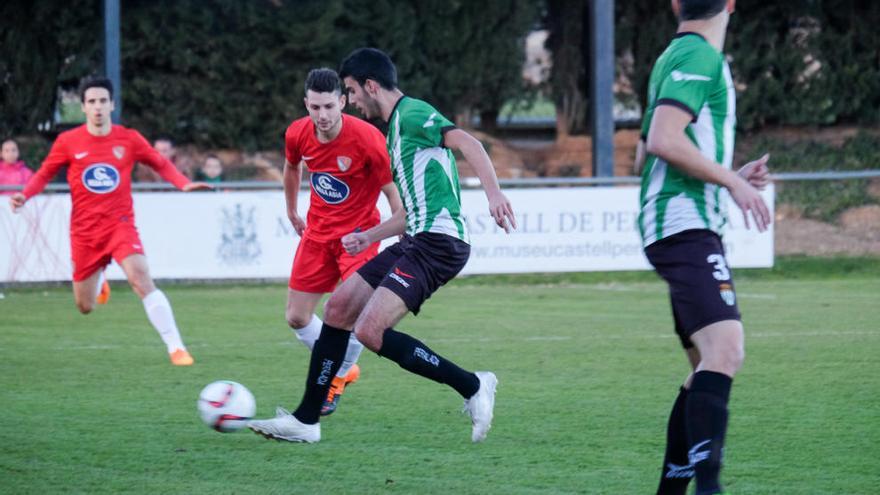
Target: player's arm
column 667, row 140
column 358, row 241
column 56, row 159
column 292, row 179
column 393, row 196
column 475, row 154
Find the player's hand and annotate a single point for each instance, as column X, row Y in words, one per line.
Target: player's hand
column 355, row 242
column 502, row 211
column 16, row 201
column 197, row 186
column 299, row 225
column 756, row 172
column 749, row 199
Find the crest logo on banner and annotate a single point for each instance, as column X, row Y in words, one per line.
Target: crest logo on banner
column 239, row 244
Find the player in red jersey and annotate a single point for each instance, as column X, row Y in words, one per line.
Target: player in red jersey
column 349, row 166
column 100, row 157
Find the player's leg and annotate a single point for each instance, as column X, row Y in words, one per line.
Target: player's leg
column 340, row 313
column 157, row 307
column 85, row 292
column 300, row 315
column 721, row 355
column 89, row 257
column 704, row 306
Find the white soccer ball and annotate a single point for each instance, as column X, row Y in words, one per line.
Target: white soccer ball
column 226, row 406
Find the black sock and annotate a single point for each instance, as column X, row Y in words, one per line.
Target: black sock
column 706, row 425
column 327, row 356
column 677, row 471
column 416, row 357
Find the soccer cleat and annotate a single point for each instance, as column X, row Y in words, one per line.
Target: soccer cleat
column 337, row 387
column 481, row 405
column 104, row 295
column 181, row 357
column 285, row 426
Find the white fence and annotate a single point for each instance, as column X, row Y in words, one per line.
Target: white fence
column 246, row 234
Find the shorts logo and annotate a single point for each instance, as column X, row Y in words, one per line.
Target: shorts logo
column 119, row 152
column 399, row 280
column 727, row 294
column 343, row 162
column 402, row 273
column 101, row 178
column 332, row 190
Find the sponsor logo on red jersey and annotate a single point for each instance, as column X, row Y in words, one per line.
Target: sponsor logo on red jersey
column 332, row 190
column 100, row 178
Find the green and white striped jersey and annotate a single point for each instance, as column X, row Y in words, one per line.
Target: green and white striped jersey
column 423, row 170
column 692, row 75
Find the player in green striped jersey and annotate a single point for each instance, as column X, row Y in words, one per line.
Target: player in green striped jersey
column 688, row 151
column 433, row 250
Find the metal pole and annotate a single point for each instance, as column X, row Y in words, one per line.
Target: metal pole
column 111, row 53
column 602, row 86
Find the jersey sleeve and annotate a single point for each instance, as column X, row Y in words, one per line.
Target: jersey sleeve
column 148, row 155
column 291, row 145
column 428, row 124
column 690, row 82
column 57, row 158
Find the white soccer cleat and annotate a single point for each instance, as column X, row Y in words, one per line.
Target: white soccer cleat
column 480, row 407
column 284, row 426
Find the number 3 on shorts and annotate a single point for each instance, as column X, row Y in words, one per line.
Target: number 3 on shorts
column 721, row 272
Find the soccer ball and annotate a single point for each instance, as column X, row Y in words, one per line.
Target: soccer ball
column 226, row 406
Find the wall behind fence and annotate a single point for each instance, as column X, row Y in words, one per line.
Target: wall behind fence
column 247, row 234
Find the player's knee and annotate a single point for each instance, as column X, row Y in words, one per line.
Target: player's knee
column 337, row 312
column 85, row 307
column 735, row 357
column 297, row 320
column 370, row 337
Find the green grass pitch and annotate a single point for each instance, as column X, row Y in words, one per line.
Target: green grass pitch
column 588, row 368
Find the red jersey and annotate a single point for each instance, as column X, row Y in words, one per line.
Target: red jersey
column 99, row 174
column 347, row 175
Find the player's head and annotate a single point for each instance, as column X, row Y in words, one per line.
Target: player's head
column 165, row 147
column 365, row 72
column 699, row 10
column 97, row 100
column 9, row 151
column 324, row 100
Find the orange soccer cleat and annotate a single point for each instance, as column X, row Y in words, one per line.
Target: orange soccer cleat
column 181, row 357
column 337, row 387
column 104, row 295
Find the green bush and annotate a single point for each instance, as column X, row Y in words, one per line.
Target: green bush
column 826, row 199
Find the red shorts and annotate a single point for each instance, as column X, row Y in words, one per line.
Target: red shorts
column 90, row 254
column 319, row 265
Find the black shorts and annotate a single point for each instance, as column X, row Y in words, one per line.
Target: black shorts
column 417, row 266
column 700, row 283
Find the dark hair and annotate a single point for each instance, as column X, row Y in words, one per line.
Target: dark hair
column 98, row 82
column 323, row 80
column 369, row 63
column 695, row 10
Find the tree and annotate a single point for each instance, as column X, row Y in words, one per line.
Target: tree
column 566, row 21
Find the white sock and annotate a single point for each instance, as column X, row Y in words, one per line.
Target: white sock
column 160, row 315
column 351, row 355
column 309, row 333
column 100, row 284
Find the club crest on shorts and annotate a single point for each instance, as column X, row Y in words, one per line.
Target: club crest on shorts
column 727, row 294
column 119, row 152
column 344, row 163
column 332, row 190
column 100, row 178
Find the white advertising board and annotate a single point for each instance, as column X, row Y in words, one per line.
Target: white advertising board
column 246, row 234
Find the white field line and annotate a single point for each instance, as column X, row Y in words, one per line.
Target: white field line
column 661, row 335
